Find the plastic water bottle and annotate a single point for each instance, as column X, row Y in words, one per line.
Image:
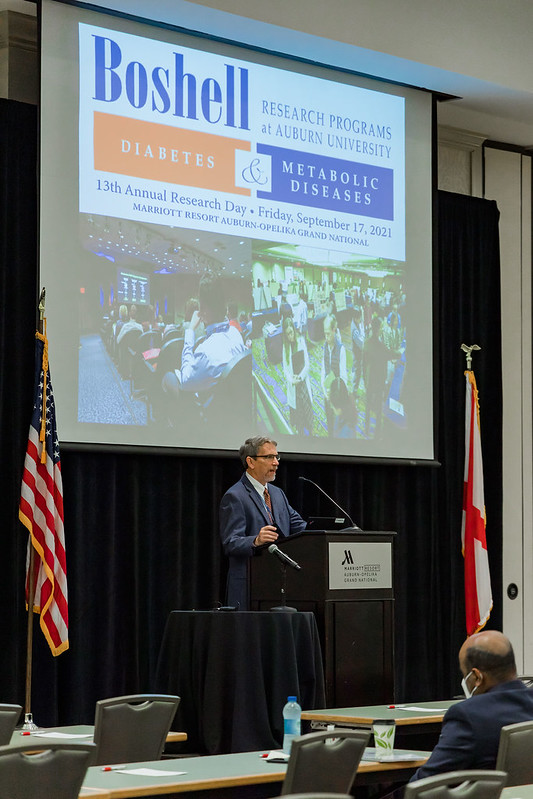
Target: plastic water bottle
column 292, row 723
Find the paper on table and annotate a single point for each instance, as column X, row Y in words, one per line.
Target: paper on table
column 277, row 756
column 398, row 755
column 61, row 735
column 149, row 772
column 422, row 709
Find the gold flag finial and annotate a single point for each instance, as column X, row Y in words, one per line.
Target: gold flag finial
column 42, row 299
column 41, row 333
column 468, row 353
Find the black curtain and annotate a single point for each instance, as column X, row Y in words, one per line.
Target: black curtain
column 141, row 527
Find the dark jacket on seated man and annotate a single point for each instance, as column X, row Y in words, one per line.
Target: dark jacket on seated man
column 471, row 729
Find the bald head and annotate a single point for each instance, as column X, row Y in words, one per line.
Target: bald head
column 489, row 656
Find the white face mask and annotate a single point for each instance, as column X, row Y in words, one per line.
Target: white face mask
column 466, row 690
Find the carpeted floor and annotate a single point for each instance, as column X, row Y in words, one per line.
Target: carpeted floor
column 103, row 395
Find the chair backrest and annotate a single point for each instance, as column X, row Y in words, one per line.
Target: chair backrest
column 57, row 770
column 475, row 784
column 148, row 340
column 132, row 728
column 123, row 349
column 169, row 357
column 318, row 763
column 230, row 396
column 240, row 364
column 171, row 333
column 9, row 715
column 129, row 338
column 515, row 753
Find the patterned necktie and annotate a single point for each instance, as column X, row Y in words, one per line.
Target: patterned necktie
column 268, row 503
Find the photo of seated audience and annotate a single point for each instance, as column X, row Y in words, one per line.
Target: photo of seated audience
column 141, row 322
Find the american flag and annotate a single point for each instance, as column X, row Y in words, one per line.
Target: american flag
column 478, row 592
column 41, row 509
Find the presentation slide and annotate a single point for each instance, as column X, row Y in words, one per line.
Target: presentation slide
column 232, row 243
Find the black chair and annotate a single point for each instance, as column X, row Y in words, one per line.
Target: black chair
column 148, row 340
column 140, row 374
column 55, row 771
column 168, row 360
column 515, row 753
column 9, row 715
column 231, row 395
column 132, row 728
column 475, row 784
column 125, row 351
column 318, row 763
column 107, row 334
column 169, row 357
column 175, row 331
column 228, row 402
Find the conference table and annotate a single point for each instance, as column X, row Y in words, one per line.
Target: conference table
column 517, row 792
column 417, row 723
column 234, row 672
column 405, row 714
column 225, row 776
column 74, row 732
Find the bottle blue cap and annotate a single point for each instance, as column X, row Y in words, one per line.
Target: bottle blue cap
column 291, row 699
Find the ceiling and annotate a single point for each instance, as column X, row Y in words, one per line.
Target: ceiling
column 22, row 6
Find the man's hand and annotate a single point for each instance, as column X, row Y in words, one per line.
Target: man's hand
column 195, row 320
column 267, row 535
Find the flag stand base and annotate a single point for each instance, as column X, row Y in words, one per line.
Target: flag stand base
column 29, row 723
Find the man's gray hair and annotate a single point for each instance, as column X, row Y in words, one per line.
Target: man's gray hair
column 251, row 447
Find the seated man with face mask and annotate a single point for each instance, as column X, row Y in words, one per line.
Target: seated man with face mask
column 495, row 697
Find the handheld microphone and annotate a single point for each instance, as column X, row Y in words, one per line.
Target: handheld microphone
column 354, row 526
column 275, row 550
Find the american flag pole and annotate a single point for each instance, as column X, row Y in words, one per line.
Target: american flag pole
column 41, row 512
column 32, row 579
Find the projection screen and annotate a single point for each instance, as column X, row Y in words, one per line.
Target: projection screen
column 232, row 243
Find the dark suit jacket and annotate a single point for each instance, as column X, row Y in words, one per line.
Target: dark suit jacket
column 242, row 514
column 471, row 729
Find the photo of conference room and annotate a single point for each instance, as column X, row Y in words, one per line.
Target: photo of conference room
column 300, row 340
column 329, row 336
column 162, row 313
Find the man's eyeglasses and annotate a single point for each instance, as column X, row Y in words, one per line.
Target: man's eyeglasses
column 268, row 457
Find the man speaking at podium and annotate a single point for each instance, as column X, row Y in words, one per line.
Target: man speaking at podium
column 253, row 514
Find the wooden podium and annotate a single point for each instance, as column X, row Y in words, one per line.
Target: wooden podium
column 347, row 581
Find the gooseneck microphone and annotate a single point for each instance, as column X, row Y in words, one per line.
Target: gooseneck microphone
column 275, row 550
column 354, row 526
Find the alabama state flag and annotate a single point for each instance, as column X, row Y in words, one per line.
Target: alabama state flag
column 478, row 593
